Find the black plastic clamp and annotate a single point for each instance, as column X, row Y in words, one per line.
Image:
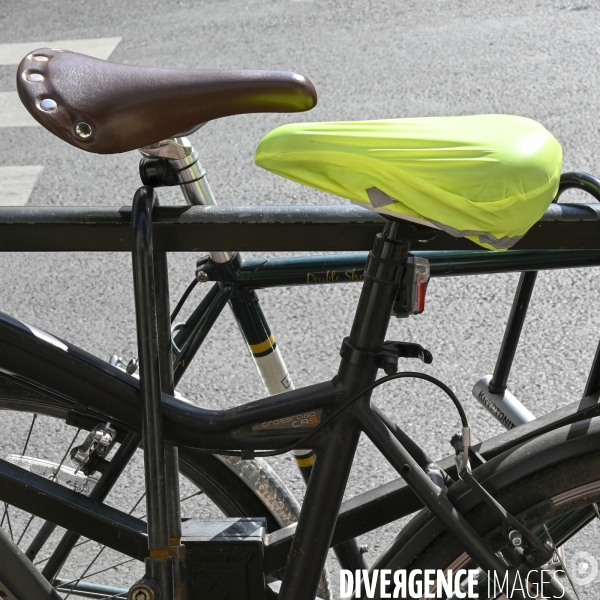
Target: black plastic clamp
column 387, row 358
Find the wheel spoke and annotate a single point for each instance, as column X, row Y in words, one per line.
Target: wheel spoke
column 83, row 575
column 29, row 433
column 562, row 562
column 7, row 516
column 92, row 590
column 25, row 528
column 121, row 595
column 43, row 560
column 100, row 571
column 66, row 454
column 199, row 493
column 137, row 504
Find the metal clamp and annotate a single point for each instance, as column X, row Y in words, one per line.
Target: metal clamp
column 129, row 368
column 99, row 442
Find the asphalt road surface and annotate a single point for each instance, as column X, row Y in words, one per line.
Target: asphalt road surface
column 368, row 60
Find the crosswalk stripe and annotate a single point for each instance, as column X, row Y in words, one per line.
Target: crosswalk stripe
column 12, row 54
column 16, row 184
column 13, row 113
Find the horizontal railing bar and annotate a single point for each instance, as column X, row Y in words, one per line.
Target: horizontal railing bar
column 258, row 228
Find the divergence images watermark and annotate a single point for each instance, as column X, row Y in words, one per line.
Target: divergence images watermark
column 431, row 583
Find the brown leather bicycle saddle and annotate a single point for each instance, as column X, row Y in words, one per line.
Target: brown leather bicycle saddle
column 105, row 107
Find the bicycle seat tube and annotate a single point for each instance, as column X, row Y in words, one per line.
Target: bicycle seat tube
column 336, row 453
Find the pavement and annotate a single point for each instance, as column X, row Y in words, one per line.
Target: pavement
column 368, row 60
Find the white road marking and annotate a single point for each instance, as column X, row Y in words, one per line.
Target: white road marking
column 16, row 184
column 12, row 54
column 13, row 113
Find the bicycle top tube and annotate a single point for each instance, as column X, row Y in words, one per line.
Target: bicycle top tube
column 263, row 424
column 260, row 273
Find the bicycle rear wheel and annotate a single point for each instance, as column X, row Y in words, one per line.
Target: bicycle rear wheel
column 39, row 436
column 550, row 481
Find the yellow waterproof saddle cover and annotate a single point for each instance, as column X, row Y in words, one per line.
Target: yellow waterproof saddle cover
column 485, row 177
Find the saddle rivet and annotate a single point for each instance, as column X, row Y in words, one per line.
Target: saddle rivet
column 39, row 58
column 48, row 105
column 34, row 77
column 83, row 130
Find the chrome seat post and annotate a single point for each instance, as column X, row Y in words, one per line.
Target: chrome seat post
column 183, row 159
column 191, row 177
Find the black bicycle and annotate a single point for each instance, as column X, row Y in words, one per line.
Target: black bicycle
column 502, row 507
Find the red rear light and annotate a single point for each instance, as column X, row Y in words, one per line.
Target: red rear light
column 411, row 295
column 421, row 278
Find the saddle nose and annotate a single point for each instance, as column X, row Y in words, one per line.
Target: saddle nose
column 106, row 107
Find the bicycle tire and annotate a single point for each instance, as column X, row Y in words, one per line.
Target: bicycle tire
column 548, row 477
